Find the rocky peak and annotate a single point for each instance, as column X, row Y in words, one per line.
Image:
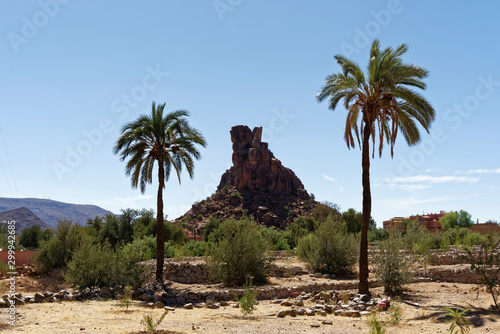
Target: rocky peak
column 256, row 168
column 257, row 184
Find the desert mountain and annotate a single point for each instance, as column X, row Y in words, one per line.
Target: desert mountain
column 257, row 184
column 23, row 217
column 51, row 212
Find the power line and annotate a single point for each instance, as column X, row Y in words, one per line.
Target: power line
column 10, row 164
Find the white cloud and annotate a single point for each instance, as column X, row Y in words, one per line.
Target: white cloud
column 341, row 189
column 432, row 179
column 403, row 203
column 329, row 178
column 434, row 170
column 409, row 187
column 483, row 171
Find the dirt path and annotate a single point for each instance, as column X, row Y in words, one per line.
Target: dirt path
column 423, row 313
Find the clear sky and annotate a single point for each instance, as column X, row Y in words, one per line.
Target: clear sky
column 73, row 72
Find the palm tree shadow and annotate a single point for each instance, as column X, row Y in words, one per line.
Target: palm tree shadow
column 478, row 316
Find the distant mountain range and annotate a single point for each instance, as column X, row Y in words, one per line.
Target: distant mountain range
column 23, row 217
column 44, row 212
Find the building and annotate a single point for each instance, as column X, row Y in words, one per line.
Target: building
column 430, row 221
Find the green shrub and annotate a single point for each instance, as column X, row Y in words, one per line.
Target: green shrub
column 4, row 268
column 240, row 254
column 330, row 249
column 376, row 325
column 56, row 252
column 146, row 246
column 175, row 233
column 30, row 237
column 485, row 261
column 151, row 322
column 454, row 236
column 276, row 238
column 212, row 225
column 126, row 299
column 458, row 322
column 247, row 301
column 194, row 248
column 393, row 268
column 299, row 228
column 395, row 313
column 94, row 265
column 472, row 239
column 377, row 234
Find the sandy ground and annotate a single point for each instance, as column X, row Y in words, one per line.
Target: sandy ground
column 423, row 313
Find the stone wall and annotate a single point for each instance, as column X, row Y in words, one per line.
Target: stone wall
column 198, row 273
column 452, row 275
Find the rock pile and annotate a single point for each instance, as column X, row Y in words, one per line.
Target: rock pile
column 344, row 304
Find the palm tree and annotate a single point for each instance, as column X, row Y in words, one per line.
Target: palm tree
column 169, row 142
column 380, row 103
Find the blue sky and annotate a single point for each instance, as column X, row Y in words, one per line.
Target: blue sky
column 73, row 72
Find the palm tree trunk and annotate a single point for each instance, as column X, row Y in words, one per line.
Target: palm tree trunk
column 367, row 207
column 160, row 233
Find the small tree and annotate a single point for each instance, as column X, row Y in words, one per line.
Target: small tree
column 247, row 301
column 330, row 249
column 393, row 268
column 456, row 219
column 240, row 254
column 485, row 261
column 30, row 237
column 57, row 251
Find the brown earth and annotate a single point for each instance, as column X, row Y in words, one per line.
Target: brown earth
column 423, row 312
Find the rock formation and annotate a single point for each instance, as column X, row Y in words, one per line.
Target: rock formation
column 256, row 168
column 257, row 184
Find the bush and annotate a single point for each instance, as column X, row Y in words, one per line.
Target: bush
column 4, row 268
column 393, row 268
column 485, row 261
column 56, row 252
column 94, row 266
column 151, row 322
column 30, row 237
column 247, row 301
column 276, row 238
column 146, row 246
column 240, row 254
column 212, row 225
column 194, row 248
column 330, row 249
column 377, row 234
column 299, row 228
column 456, row 219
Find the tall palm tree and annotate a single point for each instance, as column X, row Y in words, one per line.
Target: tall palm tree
column 170, row 143
column 380, row 103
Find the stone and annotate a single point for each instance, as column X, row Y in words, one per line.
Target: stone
column 310, row 312
column 283, row 313
column 189, row 306
column 315, row 325
column 159, row 304
column 327, row 322
column 213, row 306
column 286, row 302
column 351, row 313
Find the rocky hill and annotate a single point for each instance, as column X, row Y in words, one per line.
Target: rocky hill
column 50, row 212
column 257, row 184
column 23, row 217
